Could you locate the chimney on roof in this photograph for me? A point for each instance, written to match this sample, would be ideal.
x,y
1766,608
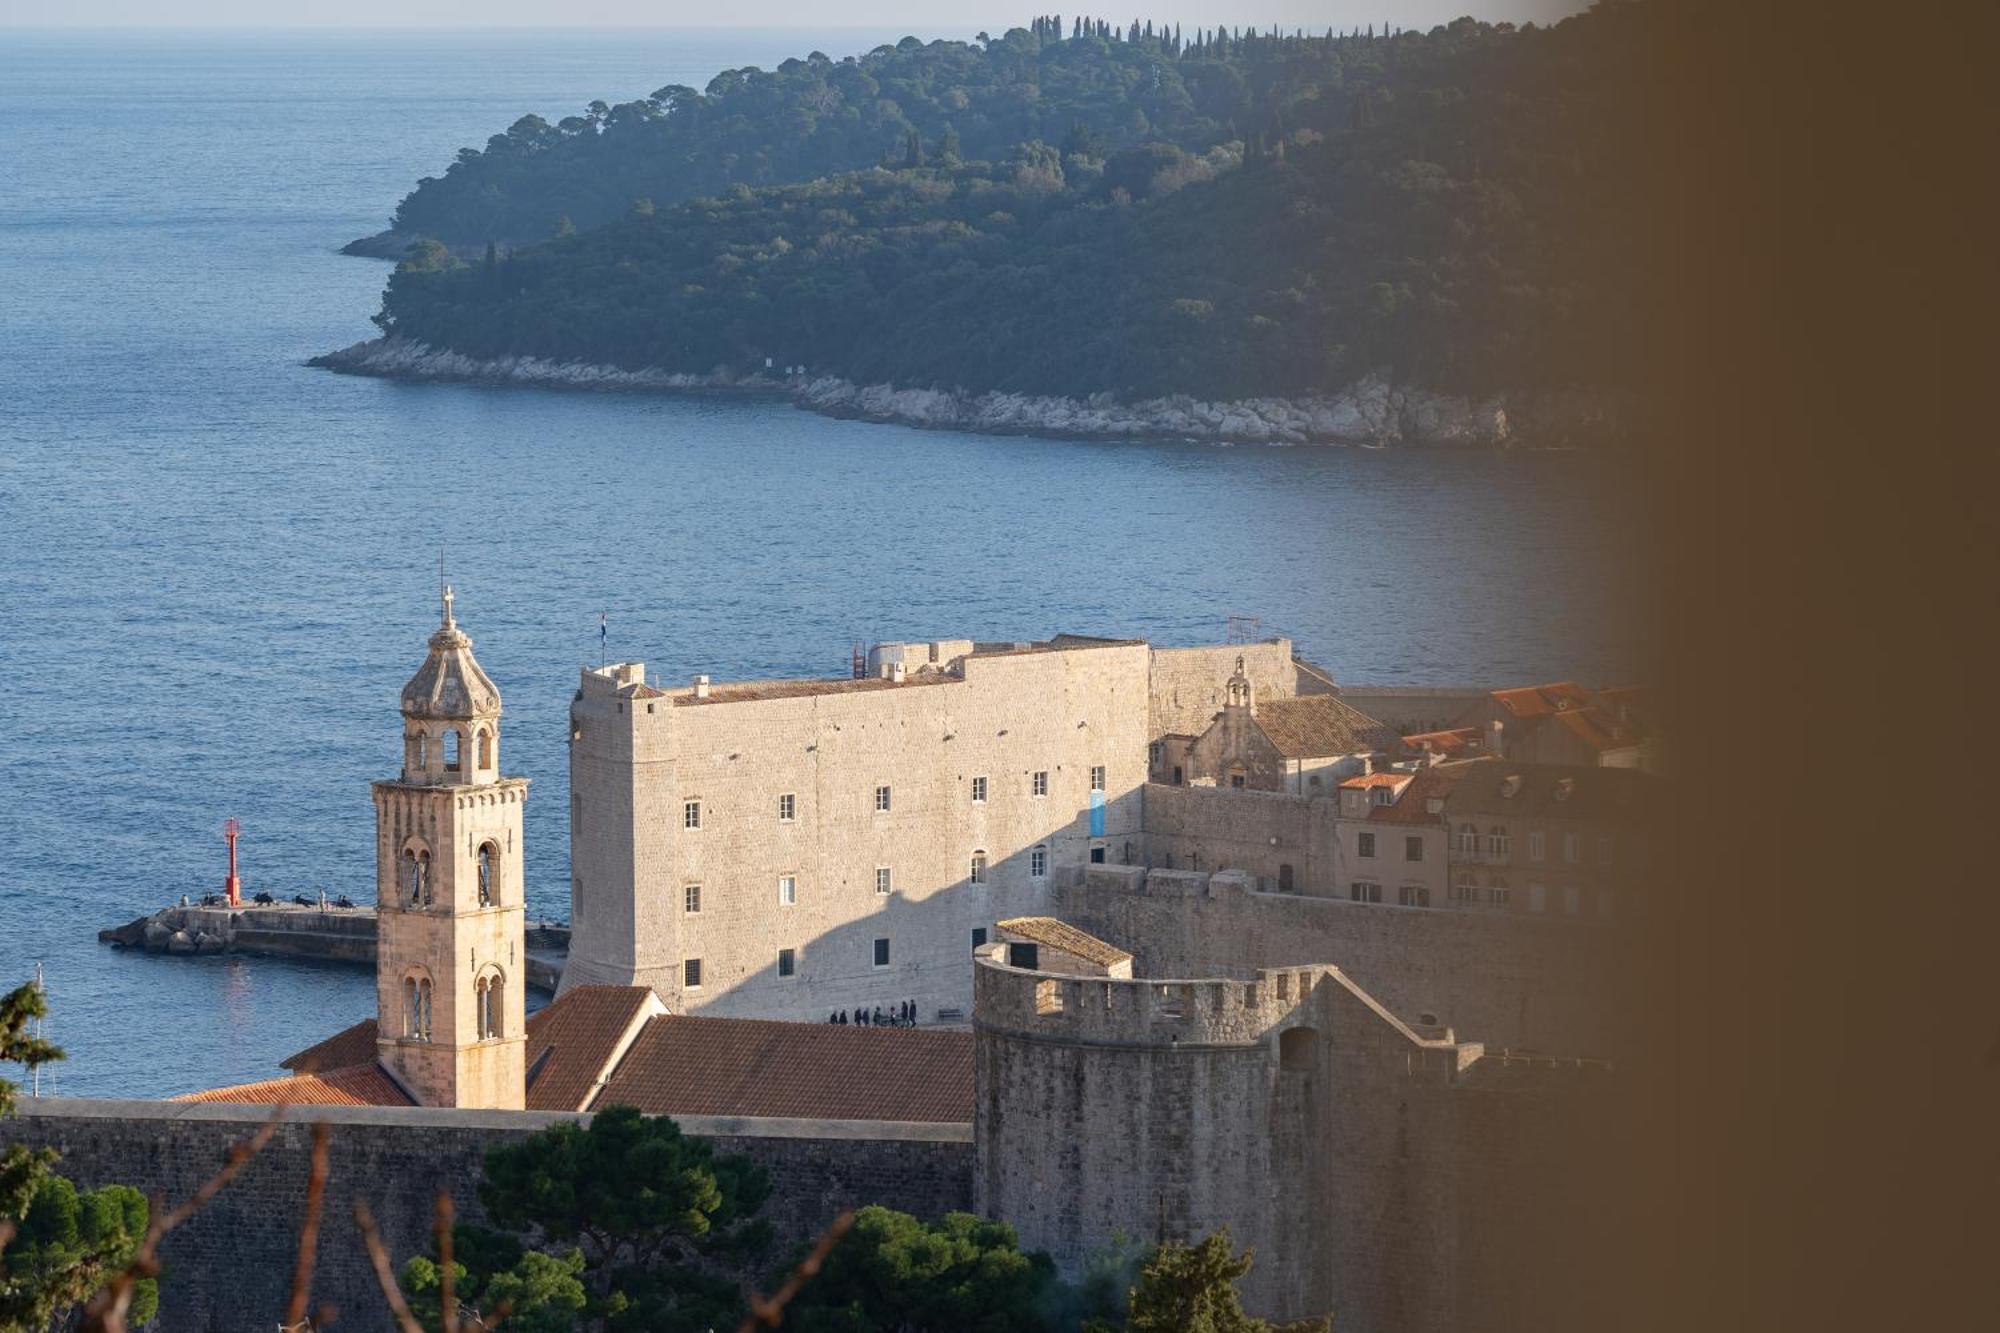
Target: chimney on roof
x,y
701,687
1496,736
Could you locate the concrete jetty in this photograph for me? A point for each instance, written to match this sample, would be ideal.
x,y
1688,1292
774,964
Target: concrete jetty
x,y
293,930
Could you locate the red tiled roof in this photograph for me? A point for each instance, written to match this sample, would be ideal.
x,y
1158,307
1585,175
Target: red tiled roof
x,y
1541,700
759,1067
1452,742
1319,726
361,1085
344,1049
1412,806
1597,728
571,1041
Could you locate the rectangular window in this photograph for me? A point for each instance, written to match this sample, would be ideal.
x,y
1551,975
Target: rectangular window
x,y
1039,784
1604,849
691,814
881,953
884,881
1538,898
1038,862
788,890
1413,847
1363,892
1153,753
1537,846
979,867
788,808
1572,899
1236,779
1385,796
1364,844
1413,895
787,962
979,791
691,974
691,899
978,936
1097,777
881,798
1464,891
1572,847
1496,895
1497,841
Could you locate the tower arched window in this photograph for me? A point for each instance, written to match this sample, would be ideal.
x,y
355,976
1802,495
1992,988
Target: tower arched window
x,y
490,1005
409,875
417,1007
489,874
451,749
485,748
417,877
1468,840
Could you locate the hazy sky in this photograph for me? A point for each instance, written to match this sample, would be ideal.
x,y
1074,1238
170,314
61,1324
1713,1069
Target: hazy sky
x,y
918,16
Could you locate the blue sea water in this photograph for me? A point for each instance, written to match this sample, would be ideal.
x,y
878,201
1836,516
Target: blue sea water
x,y
217,567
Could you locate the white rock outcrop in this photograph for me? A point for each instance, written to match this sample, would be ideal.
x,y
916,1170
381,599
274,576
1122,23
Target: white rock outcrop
x,y
1371,412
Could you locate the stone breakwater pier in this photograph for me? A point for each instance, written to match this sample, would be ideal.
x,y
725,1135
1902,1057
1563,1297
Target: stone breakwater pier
x,y
292,930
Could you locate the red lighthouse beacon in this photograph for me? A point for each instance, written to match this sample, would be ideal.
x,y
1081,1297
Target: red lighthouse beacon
x,y
231,887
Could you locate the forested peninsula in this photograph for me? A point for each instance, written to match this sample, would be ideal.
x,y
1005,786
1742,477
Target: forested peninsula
x,y
1077,227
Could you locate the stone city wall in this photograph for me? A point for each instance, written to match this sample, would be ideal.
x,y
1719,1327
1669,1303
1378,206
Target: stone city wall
x,y
1510,980
229,1268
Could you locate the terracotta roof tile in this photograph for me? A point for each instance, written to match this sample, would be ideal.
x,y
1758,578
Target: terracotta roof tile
x,y
1062,935
1541,700
361,1085
1316,726
1552,791
571,1041
345,1048
1453,742
1412,805
759,1067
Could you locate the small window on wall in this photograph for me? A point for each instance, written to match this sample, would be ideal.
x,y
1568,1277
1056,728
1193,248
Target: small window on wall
x,y
1097,853
1538,898
1236,779
1413,847
979,791
1497,895
451,750
691,814
884,880
882,953
786,962
1024,954
1463,890
1364,845
881,799
691,900
1413,895
1039,784
1097,777
788,890
788,807
979,867
1362,892
978,936
691,974
1038,862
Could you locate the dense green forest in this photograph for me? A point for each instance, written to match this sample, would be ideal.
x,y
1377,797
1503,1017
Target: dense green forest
x,y
1448,208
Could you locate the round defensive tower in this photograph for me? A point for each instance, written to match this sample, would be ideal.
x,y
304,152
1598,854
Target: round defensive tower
x,y
1157,1109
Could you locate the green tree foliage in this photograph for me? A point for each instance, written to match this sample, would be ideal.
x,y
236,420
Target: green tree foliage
x,y
817,116
661,1222
66,1243
1453,210
892,1271
543,1293
1192,1289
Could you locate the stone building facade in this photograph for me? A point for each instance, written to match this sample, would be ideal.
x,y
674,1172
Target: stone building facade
x,y
788,849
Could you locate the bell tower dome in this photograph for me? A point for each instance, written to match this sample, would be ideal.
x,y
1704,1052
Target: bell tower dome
x,y
451,712
450,894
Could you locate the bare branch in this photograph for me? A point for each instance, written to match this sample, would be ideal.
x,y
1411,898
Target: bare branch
x,y
302,1268
384,1275
106,1311
770,1310
447,1283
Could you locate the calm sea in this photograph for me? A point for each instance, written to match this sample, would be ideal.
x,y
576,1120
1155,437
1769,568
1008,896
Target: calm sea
x,y
217,567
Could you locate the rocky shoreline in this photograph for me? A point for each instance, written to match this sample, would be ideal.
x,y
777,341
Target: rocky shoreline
x,y
1372,413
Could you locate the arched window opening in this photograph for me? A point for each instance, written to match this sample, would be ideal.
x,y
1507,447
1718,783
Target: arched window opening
x,y
410,876
417,1008
423,751
490,1003
1468,840
489,874
1496,840
485,748
418,864
1298,1048
451,750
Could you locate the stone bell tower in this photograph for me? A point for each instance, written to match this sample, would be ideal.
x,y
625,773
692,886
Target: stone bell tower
x,y
450,957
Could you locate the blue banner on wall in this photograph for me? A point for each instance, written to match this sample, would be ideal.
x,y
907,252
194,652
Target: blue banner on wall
x,y
1097,814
